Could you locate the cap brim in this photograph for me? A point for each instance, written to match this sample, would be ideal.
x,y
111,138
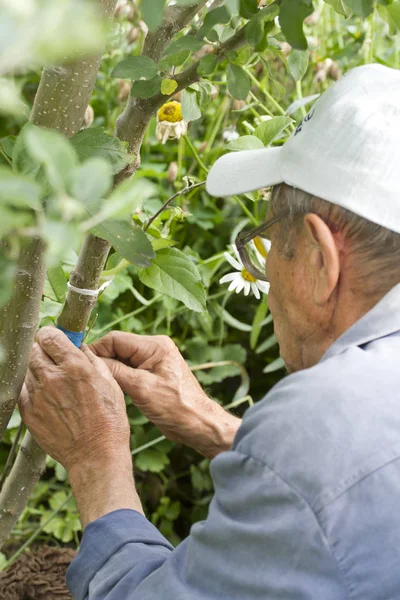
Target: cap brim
x,y
245,171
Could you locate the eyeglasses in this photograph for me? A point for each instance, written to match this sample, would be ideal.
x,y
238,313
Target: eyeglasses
x,y
247,254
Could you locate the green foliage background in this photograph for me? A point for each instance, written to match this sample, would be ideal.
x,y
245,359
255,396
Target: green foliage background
x,y
266,77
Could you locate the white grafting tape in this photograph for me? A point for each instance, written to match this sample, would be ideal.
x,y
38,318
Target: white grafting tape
x,y
84,292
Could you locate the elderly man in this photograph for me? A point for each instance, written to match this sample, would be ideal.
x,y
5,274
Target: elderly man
x,y
307,487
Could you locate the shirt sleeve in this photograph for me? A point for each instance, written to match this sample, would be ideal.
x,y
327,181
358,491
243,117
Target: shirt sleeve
x,y
261,541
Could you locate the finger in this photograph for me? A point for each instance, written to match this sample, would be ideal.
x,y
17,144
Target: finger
x,y
131,347
99,364
136,383
23,400
39,361
57,346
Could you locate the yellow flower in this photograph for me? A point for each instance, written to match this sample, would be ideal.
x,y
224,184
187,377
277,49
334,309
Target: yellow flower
x,y
170,122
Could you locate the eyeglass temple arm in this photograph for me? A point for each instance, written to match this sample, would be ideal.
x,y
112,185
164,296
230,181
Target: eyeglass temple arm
x,y
245,236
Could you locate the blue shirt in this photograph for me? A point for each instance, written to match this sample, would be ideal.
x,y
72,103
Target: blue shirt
x,y
306,504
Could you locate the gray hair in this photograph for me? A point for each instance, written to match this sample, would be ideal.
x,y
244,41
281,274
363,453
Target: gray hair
x,y
376,250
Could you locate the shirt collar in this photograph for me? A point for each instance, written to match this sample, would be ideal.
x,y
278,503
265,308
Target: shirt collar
x,y
383,319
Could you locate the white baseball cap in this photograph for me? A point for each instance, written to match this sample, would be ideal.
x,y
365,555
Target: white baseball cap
x,y
346,150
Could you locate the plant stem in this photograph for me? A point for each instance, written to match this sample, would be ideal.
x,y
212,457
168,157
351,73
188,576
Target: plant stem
x,y
195,154
299,92
246,210
36,533
11,455
188,188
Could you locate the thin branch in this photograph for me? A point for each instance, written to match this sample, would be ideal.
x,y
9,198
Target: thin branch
x,y
52,108
188,188
11,455
27,469
175,19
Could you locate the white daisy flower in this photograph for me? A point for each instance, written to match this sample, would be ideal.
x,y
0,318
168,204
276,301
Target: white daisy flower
x,y
170,122
230,134
241,279
261,247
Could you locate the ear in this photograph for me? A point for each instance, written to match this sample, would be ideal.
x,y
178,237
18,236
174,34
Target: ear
x,y
324,258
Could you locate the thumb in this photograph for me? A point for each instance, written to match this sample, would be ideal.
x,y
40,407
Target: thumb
x,y
136,383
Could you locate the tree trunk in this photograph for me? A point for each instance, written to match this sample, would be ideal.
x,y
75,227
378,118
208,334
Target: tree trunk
x,y
55,107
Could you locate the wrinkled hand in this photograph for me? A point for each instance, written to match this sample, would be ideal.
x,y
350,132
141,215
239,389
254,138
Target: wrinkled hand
x,y
72,405
152,371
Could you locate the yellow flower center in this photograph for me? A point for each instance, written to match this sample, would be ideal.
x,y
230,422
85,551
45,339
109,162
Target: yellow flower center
x,y
247,276
171,112
260,247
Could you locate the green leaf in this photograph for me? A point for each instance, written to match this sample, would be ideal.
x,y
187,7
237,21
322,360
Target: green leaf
x,y
128,240
94,141
7,272
168,86
19,191
218,15
151,460
50,308
362,8
22,160
11,102
274,366
184,43
238,82
174,274
259,317
135,67
160,243
270,342
385,16
233,6
339,6
152,12
207,64
190,107
54,152
58,282
394,12
173,60
301,102
268,130
91,182
146,88
248,8
246,142
298,63
126,198
291,16
254,31
232,321
60,237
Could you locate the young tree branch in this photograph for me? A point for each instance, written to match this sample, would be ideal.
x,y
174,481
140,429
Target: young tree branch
x,y
54,107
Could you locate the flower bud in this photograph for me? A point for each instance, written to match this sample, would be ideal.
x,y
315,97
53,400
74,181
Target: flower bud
x,y
124,90
133,35
172,172
88,117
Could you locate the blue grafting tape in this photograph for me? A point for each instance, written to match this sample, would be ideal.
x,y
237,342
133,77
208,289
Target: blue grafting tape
x,y
76,337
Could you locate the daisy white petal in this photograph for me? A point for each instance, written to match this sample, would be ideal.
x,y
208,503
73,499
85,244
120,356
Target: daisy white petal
x,y
263,286
233,285
235,250
232,261
255,290
247,288
228,277
240,286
